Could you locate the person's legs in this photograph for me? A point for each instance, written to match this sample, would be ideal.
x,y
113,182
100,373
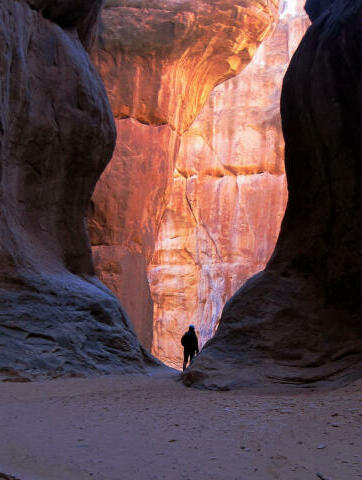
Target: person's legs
x,y
186,357
192,354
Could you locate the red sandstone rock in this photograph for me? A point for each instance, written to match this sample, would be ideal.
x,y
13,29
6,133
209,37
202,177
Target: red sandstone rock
x,y
159,63
222,222
298,321
126,211
56,136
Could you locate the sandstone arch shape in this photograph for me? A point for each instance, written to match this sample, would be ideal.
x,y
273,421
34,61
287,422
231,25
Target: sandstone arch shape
x,y
159,60
297,322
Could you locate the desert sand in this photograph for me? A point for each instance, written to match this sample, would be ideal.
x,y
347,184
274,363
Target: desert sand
x,y
153,428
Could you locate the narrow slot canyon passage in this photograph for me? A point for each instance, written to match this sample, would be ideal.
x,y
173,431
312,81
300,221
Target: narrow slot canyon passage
x,y
229,195
158,178
212,219
191,204
186,202
162,118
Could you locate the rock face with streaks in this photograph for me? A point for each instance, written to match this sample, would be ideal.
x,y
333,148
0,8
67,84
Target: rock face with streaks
x,y
229,195
298,320
56,136
159,61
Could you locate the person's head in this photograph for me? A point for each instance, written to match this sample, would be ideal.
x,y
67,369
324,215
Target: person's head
x,y
191,328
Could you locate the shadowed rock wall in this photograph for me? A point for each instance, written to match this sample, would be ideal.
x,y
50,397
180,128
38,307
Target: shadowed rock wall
x,y
159,61
229,195
298,320
56,136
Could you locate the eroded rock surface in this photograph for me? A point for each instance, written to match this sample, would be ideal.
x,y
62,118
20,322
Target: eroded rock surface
x,y
229,195
127,206
56,136
298,321
159,61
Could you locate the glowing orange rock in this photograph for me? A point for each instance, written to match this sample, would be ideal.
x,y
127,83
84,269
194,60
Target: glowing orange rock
x,y
229,196
159,63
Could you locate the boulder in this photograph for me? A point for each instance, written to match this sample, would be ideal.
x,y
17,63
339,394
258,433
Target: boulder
x,y
298,321
57,135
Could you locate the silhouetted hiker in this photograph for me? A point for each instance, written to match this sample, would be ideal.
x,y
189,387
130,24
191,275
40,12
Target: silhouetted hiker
x,y
191,345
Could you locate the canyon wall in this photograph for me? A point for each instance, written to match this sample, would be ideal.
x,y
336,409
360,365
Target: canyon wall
x,y
56,136
229,195
298,321
159,61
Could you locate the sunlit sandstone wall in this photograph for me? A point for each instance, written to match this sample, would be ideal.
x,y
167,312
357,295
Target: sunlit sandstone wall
x,y
159,60
229,195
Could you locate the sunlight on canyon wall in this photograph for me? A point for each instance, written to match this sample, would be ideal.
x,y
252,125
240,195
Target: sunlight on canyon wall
x,y
229,196
159,61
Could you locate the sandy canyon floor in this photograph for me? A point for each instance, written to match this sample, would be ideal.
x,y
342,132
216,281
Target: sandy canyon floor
x,y
154,428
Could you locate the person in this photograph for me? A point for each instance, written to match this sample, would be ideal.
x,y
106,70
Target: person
x,y
191,345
